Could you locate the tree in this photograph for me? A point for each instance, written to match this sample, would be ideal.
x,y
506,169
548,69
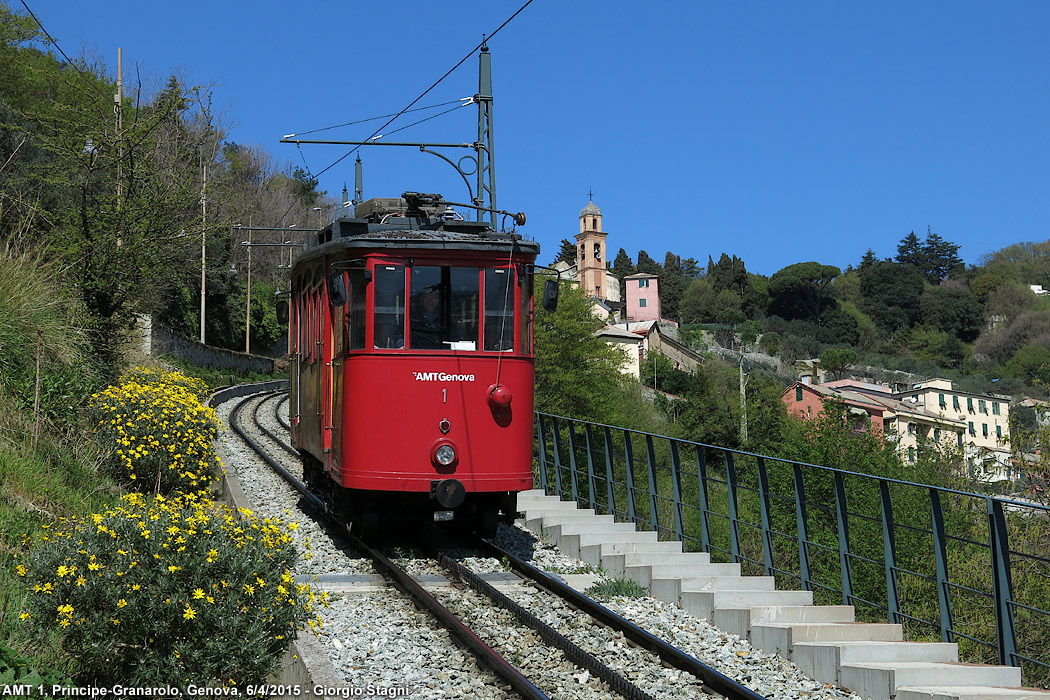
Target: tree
x,y
952,310
801,290
672,286
621,267
698,302
891,294
647,265
837,360
577,373
936,259
567,252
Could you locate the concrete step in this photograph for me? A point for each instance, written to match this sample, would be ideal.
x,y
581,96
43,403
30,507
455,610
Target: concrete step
x,y
593,553
616,564
537,522
821,661
670,589
704,603
739,620
570,544
879,681
556,531
542,510
535,495
644,574
781,637
955,692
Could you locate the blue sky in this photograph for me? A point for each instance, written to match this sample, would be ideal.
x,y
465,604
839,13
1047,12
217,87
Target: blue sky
x,y
777,132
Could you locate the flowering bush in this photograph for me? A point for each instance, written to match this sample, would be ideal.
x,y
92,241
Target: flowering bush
x,y
154,432
168,591
153,375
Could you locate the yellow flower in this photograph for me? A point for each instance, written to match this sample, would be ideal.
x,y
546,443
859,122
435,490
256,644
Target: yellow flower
x,y
122,603
22,570
249,589
198,593
189,613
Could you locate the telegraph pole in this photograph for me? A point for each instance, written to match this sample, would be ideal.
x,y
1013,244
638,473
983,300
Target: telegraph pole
x,y
743,401
248,313
204,240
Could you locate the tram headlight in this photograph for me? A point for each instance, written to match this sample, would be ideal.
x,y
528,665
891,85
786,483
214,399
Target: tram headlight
x,y
444,453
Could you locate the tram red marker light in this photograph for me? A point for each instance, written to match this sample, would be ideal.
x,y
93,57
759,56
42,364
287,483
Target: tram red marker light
x,y
499,396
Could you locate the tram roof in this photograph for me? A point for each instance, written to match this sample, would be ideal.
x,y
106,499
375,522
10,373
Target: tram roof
x,y
415,232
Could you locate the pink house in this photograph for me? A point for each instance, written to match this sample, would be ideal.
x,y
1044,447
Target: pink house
x,y
643,297
807,402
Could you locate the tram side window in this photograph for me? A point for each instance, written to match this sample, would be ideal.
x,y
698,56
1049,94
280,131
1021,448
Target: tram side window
x,y
357,310
389,328
340,326
526,312
499,309
444,308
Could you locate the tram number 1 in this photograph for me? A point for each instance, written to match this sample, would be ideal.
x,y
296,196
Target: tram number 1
x,y
444,398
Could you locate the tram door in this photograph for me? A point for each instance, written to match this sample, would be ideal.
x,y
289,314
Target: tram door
x,y
338,341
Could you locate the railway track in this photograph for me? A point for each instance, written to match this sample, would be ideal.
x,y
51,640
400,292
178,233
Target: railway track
x,y
578,648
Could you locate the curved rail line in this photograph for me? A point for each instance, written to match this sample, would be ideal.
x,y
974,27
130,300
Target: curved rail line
x,y
712,679
464,635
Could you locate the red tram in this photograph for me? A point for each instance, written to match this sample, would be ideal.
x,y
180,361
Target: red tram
x,y
412,371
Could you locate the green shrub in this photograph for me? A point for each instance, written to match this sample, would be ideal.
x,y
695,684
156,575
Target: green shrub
x,y
167,591
156,435
615,587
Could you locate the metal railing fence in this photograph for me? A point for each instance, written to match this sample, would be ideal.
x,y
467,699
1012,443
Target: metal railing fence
x,y
946,564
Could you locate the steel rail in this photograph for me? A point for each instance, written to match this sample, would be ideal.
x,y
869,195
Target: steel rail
x,y
711,678
280,416
284,445
548,634
460,632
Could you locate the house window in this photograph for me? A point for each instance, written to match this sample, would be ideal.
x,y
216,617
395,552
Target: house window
x,y
911,454
798,393
941,401
594,223
969,404
984,429
643,283
911,428
955,403
937,434
995,408
973,431
641,302
982,406
959,436
999,432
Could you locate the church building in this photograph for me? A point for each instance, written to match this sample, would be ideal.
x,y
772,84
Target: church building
x,y
591,271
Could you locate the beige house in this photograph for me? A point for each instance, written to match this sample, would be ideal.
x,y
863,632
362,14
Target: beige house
x,y
979,424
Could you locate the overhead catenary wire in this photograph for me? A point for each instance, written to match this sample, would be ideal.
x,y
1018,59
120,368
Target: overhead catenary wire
x,y
425,92
372,119
408,106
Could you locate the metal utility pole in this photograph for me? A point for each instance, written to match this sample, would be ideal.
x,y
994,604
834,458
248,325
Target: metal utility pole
x,y
743,401
486,142
248,312
359,182
204,241
118,109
